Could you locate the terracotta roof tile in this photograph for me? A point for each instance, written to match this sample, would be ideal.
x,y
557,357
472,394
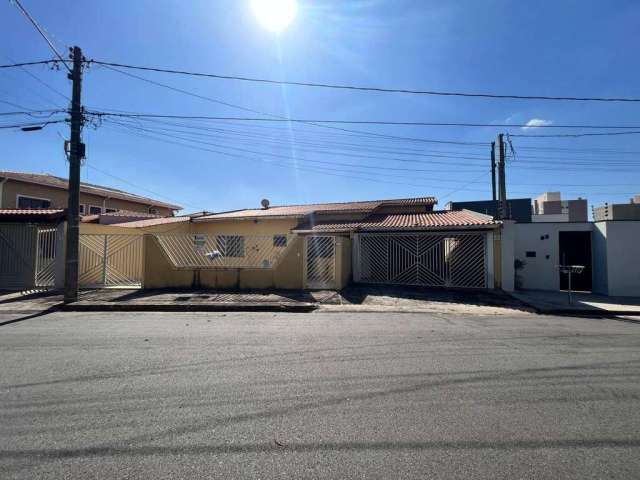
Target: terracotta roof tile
x,y
151,222
405,221
32,214
315,208
59,182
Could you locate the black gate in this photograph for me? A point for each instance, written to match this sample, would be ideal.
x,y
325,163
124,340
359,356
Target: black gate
x,y
575,249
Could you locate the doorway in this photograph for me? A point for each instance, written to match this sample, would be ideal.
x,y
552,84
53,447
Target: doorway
x,y
575,249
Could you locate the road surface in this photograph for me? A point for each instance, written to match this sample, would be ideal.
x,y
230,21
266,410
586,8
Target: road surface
x,y
331,395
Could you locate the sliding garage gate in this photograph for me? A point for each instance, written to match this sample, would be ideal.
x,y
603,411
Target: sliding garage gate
x,y
423,259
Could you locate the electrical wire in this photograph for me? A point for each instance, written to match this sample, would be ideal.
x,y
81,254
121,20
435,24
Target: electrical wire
x,y
41,32
27,64
360,122
366,88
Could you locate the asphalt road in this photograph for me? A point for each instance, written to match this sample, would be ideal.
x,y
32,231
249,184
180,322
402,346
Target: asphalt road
x,y
290,396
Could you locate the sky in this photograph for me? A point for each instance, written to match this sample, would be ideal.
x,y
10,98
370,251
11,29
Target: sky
x,y
567,48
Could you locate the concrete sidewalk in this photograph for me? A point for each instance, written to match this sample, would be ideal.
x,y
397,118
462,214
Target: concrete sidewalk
x,y
118,299
583,303
351,299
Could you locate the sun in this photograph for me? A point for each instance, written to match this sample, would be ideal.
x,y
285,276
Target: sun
x,y
275,15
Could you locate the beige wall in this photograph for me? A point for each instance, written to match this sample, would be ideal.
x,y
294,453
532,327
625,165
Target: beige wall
x,y
160,273
58,198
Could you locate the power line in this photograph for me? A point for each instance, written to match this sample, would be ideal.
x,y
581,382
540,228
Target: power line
x,y
26,64
42,33
360,122
39,124
280,117
577,135
365,88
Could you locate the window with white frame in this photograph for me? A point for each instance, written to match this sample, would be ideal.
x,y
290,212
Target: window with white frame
x,y
93,210
82,209
24,201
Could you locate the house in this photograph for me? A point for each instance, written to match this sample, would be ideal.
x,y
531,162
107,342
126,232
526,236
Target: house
x,y
518,209
19,190
618,211
326,245
549,207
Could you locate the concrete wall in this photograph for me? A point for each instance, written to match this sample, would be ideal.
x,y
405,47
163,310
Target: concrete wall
x,y
59,198
600,257
540,272
623,257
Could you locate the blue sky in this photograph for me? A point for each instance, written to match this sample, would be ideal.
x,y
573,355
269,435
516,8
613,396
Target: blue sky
x,y
574,48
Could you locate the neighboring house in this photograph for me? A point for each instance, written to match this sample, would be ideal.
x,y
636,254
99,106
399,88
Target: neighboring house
x,y
549,207
518,209
42,191
618,211
397,241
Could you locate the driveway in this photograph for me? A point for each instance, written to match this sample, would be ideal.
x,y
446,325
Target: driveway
x,y
321,395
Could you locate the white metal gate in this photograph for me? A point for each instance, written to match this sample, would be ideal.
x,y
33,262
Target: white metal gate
x,y
110,260
46,256
17,256
424,259
320,262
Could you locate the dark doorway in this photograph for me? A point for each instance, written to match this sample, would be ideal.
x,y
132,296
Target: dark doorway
x,y
575,249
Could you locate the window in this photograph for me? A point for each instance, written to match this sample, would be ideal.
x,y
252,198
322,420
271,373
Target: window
x,y
93,210
279,240
111,210
81,207
531,254
230,245
32,202
153,211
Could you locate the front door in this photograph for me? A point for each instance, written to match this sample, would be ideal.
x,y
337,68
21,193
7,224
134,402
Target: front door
x,y
575,249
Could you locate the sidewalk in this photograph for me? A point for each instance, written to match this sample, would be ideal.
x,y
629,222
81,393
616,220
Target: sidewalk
x,y
352,299
582,303
118,299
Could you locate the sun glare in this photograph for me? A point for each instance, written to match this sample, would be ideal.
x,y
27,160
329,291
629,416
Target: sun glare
x,y
274,15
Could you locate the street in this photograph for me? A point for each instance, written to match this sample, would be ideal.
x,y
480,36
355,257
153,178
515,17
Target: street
x,y
319,395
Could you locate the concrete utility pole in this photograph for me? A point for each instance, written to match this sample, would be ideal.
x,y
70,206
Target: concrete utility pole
x,y
493,170
76,153
501,177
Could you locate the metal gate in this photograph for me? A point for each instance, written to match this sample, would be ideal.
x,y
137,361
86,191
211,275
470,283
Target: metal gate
x,y
46,256
110,260
424,259
17,256
320,262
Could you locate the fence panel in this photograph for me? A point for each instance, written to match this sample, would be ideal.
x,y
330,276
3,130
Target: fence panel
x,y
200,251
46,256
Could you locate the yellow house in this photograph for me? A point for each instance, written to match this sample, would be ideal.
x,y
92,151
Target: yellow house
x,y
20,190
318,246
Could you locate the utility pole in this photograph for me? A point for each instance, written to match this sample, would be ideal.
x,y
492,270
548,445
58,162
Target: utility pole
x,y
493,170
501,177
76,152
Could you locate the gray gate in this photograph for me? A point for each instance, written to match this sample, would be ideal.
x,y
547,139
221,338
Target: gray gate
x,y
423,259
17,256
320,262
110,260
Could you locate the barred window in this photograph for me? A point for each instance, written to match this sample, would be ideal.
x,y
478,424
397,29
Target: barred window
x,y
279,240
230,245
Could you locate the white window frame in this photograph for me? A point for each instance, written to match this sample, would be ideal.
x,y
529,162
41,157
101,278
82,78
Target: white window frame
x,y
153,211
94,206
111,210
82,208
19,196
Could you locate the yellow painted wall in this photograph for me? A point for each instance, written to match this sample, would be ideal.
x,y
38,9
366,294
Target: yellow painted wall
x,y
160,273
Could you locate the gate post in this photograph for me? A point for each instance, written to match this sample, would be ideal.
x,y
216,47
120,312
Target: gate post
x,y
59,266
105,252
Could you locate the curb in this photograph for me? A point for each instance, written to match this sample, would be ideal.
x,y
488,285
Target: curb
x,y
220,307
